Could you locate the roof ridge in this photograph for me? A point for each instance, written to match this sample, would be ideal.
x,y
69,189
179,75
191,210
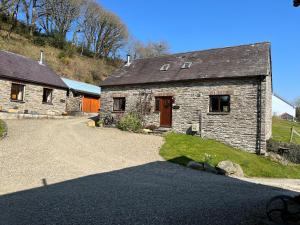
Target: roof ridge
x,y
203,50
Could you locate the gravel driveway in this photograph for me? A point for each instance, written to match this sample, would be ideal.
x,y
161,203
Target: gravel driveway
x,y
63,172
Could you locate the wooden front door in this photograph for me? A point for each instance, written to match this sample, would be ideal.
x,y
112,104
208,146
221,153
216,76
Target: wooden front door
x,y
165,111
90,105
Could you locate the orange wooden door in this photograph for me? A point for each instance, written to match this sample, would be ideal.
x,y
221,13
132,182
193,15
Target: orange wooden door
x,y
166,111
90,105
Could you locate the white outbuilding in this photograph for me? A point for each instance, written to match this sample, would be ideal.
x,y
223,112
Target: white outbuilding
x,y
281,106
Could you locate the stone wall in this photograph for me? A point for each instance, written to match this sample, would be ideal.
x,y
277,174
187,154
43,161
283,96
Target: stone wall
x,y
74,103
237,128
32,100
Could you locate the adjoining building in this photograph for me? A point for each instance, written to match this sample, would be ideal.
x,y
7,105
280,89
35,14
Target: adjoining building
x,y
82,97
30,87
283,108
223,94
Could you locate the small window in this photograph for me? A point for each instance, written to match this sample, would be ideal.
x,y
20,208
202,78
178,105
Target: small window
x,y
157,104
165,67
119,104
17,92
186,65
47,95
219,103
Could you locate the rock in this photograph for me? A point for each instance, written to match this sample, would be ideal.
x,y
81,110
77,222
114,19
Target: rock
x,y
12,110
91,123
277,158
231,168
195,165
147,131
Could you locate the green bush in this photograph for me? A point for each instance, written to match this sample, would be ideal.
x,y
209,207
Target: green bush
x,y
130,122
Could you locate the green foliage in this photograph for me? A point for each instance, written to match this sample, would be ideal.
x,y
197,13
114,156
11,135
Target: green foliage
x,y
293,150
130,122
281,130
40,41
2,128
179,147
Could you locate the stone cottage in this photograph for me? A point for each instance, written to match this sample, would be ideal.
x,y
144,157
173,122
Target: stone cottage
x,y
30,87
223,94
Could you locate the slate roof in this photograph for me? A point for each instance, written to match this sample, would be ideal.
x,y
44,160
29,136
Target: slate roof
x,y
21,68
82,87
229,62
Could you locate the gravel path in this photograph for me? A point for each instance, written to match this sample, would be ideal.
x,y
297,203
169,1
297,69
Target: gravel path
x,y
63,172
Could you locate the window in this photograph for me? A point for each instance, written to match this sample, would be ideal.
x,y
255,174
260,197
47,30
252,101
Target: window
x,y
17,92
47,95
157,104
219,103
119,104
186,65
165,67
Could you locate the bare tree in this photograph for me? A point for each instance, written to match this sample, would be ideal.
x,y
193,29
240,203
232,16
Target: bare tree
x,y
90,22
111,35
58,15
139,50
104,32
5,5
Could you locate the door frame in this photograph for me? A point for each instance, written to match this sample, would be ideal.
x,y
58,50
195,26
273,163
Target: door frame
x,y
171,111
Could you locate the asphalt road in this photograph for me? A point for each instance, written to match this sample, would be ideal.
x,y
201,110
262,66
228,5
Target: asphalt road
x,y
62,172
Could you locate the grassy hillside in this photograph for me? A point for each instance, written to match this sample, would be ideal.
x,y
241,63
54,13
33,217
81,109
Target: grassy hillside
x,y
77,67
282,130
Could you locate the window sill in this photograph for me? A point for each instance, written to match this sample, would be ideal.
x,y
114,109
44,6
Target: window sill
x,y
17,101
47,103
218,113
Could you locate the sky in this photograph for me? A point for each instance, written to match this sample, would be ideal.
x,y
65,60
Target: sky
x,y
192,25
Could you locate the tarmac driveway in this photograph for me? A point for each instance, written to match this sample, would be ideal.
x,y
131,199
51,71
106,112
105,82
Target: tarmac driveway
x,y
63,172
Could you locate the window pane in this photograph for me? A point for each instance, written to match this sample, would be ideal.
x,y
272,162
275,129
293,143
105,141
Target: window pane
x,y
214,104
220,103
17,92
47,95
224,103
119,104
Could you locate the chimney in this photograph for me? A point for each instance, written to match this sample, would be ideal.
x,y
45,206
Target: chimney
x,y
128,60
41,58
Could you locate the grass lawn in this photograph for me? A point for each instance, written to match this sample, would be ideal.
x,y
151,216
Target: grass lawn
x,y
1,127
179,148
282,130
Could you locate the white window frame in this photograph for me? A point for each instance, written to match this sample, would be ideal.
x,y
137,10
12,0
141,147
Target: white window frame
x,y
165,67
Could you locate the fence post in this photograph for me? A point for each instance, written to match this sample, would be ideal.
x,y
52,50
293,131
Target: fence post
x,y
292,133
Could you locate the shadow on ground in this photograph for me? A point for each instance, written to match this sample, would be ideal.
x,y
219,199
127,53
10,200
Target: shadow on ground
x,y
154,193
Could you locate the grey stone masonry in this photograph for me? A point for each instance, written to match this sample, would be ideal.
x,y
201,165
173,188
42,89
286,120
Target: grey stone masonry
x,y
74,103
238,128
33,99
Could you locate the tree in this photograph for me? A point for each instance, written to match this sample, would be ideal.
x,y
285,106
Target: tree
x,y
104,32
296,3
139,50
58,16
6,5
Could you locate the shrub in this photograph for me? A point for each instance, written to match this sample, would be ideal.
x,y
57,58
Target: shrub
x,y
288,151
130,122
40,41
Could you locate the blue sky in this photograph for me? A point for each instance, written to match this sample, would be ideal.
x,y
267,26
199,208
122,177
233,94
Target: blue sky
x,y
202,24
